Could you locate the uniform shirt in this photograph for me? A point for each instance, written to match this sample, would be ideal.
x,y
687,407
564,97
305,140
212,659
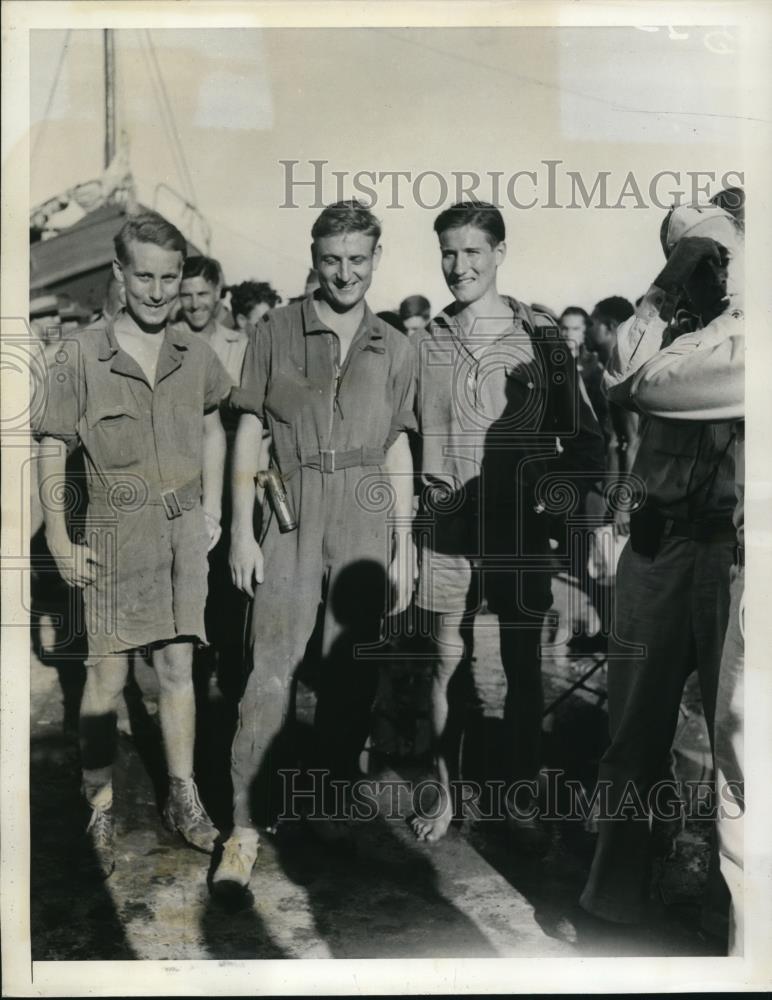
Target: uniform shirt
x,y
701,377
491,408
686,465
294,382
130,431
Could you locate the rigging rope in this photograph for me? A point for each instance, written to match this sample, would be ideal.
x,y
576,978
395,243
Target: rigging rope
x,y
172,126
143,45
51,93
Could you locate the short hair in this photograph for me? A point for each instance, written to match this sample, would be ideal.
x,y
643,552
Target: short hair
x,y
148,227
575,311
203,267
415,305
616,308
480,214
248,294
350,216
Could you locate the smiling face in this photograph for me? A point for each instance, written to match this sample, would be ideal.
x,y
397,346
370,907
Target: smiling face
x,y
198,299
469,262
345,264
151,282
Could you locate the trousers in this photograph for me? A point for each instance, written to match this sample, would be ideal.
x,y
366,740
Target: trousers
x,y
671,617
325,582
729,761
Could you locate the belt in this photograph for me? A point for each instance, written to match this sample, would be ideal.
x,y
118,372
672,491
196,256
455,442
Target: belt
x,y
133,493
705,531
330,460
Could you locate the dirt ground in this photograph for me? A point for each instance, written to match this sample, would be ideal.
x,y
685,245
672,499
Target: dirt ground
x,y
471,895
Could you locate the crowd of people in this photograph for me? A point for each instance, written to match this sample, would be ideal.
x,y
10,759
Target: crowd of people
x,y
326,468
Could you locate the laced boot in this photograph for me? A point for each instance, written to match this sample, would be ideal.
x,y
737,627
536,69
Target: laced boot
x,y
238,858
101,831
185,814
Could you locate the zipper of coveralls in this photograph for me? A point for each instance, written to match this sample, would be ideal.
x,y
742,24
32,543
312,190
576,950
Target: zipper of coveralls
x,y
335,358
339,373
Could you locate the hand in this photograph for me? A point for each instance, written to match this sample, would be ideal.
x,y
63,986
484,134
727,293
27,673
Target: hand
x,y
622,522
214,529
246,563
403,572
686,255
77,564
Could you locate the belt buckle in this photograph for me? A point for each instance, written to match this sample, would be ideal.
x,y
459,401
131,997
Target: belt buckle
x,y
327,460
171,504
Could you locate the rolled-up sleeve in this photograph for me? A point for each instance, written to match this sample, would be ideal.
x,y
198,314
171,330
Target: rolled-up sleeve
x,y
701,376
403,394
637,339
64,394
218,381
249,396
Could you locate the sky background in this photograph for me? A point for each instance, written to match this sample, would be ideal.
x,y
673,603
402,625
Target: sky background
x,y
598,99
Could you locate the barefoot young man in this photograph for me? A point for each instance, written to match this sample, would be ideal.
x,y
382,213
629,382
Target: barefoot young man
x,y
496,387
335,386
142,402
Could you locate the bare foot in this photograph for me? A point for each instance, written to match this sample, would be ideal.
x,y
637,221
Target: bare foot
x,y
434,828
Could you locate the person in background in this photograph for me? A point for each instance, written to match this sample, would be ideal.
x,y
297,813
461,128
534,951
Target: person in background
x,y
414,312
250,301
574,323
605,319
199,296
672,589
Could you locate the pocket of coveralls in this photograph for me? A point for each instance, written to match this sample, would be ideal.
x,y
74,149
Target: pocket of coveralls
x,y
116,436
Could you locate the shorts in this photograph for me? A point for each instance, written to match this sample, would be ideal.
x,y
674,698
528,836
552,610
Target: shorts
x,y
151,582
459,570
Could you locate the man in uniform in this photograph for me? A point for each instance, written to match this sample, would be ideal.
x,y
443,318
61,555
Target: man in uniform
x,y
497,387
142,401
672,592
335,387
701,377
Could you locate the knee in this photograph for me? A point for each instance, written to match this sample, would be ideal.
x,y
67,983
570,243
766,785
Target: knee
x,y
443,670
271,688
174,673
107,679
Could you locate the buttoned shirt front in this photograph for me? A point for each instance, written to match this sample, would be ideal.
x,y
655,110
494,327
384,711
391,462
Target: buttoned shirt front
x,y
294,381
99,395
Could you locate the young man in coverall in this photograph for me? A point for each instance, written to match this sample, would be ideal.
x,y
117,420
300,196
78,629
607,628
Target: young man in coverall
x,y
142,401
335,387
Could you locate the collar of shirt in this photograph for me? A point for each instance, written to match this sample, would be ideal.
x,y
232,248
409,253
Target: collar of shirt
x,y
519,314
169,359
370,325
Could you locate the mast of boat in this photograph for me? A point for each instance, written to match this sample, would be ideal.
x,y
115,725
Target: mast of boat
x,y
109,61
